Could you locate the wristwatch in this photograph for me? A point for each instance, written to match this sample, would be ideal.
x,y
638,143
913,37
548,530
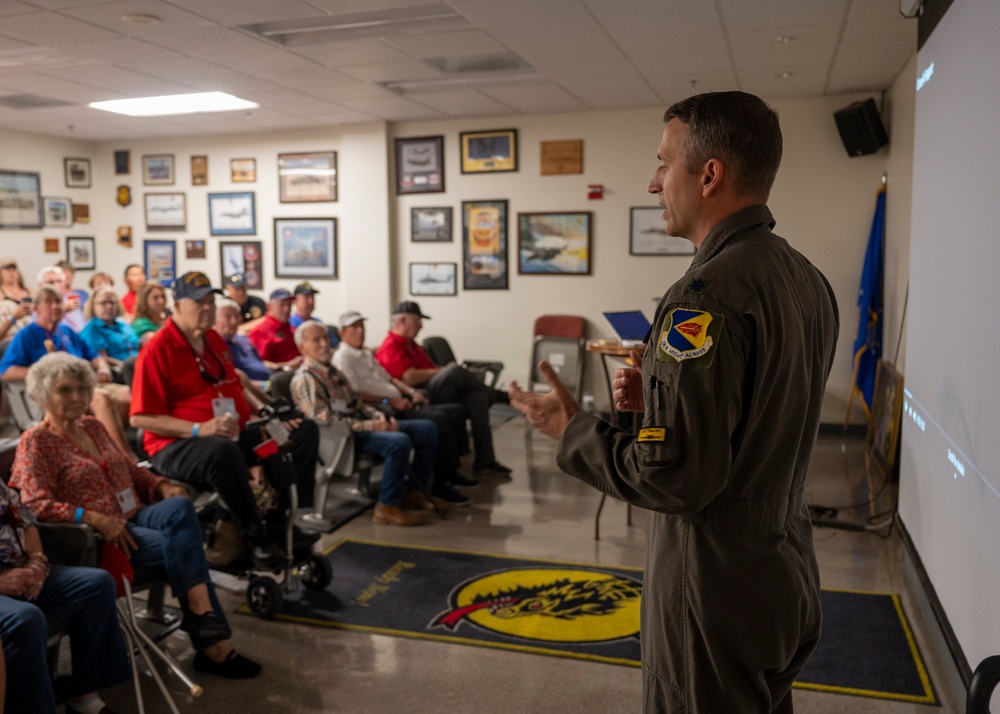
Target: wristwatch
x,y
385,400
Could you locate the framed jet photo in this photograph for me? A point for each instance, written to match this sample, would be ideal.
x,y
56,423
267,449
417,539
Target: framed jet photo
x,y
433,279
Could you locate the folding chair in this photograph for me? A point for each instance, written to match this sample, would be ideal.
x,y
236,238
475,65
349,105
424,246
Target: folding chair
x,y
561,341
22,407
440,351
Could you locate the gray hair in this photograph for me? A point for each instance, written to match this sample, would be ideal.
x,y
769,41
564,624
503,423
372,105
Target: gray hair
x,y
53,367
51,269
227,304
300,331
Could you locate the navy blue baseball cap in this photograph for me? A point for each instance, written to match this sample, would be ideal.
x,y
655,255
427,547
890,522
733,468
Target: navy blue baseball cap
x,y
280,294
237,280
194,286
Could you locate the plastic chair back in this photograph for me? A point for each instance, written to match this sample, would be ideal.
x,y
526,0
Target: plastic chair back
x,y
22,407
438,349
560,341
984,681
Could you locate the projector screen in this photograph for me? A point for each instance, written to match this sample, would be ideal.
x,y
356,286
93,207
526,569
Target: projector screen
x,y
950,452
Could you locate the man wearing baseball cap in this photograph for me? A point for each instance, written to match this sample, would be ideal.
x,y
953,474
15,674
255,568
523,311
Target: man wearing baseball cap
x,y
377,387
188,399
273,336
405,360
251,306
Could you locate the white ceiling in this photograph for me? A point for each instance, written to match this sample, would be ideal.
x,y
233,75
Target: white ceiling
x,y
586,54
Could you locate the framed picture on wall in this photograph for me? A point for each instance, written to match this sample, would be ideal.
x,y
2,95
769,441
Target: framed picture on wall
x,y
80,253
488,151
232,214
646,236
433,279
58,212
22,204
420,165
484,245
305,247
553,243
243,170
165,211
307,177
123,162
244,257
160,258
199,170
158,170
77,173
194,249
431,225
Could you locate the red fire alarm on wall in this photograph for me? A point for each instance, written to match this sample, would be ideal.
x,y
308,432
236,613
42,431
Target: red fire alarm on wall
x,y
595,191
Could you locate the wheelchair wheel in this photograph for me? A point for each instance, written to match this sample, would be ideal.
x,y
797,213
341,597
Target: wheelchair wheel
x,y
264,597
316,573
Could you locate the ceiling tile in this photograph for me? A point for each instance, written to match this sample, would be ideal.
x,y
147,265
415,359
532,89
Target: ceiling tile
x,y
50,30
878,31
309,79
392,71
868,67
740,16
493,14
806,81
536,99
460,103
12,7
110,15
809,44
618,8
120,80
350,7
123,51
266,60
208,42
352,52
447,44
232,13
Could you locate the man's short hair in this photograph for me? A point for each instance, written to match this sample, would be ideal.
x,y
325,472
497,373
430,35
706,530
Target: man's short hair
x,y
130,266
736,128
301,330
227,304
51,269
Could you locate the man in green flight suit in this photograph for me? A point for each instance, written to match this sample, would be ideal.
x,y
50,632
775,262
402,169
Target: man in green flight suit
x,y
730,388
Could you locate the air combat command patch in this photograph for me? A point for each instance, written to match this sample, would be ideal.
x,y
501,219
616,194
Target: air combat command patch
x,y
689,335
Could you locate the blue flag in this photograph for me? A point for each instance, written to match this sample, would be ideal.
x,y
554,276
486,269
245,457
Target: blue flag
x,y
868,345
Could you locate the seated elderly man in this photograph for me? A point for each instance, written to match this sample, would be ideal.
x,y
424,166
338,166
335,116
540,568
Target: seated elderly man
x,y
67,471
189,399
322,393
55,277
273,336
81,599
46,334
228,316
376,387
405,360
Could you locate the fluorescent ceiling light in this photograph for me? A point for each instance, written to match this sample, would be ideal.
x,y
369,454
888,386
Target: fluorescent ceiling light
x,y
480,81
200,103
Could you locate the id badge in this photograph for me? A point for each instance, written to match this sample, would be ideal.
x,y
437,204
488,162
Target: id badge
x,y
277,431
126,500
222,406
340,406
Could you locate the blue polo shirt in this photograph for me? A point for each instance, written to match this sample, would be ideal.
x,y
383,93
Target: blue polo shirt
x,y
28,346
247,359
117,339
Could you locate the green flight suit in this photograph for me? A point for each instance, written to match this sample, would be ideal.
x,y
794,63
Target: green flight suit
x,y
733,381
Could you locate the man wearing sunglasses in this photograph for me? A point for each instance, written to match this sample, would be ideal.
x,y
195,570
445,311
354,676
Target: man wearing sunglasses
x,y
188,398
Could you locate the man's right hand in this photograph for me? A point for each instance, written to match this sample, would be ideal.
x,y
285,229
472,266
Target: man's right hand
x,y
400,404
224,425
628,386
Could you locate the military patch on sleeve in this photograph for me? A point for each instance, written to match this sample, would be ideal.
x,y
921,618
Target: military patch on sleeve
x,y
689,335
653,433
697,286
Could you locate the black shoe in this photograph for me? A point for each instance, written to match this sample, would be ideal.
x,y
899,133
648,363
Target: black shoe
x,y
268,556
235,666
450,496
495,468
458,479
206,626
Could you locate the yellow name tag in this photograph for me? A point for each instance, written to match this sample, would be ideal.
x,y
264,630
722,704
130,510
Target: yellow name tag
x,y
653,434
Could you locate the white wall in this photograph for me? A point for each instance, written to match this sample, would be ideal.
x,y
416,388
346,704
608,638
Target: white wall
x,y
823,201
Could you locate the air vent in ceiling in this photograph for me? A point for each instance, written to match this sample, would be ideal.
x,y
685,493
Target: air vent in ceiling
x,y
30,101
475,64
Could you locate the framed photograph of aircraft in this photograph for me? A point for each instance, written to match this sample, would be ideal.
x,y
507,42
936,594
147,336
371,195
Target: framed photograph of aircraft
x,y
232,214
554,243
646,235
420,165
307,177
433,278
305,248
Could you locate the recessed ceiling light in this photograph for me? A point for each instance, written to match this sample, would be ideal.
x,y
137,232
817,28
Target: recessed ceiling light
x,y
200,103
784,75
141,19
783,39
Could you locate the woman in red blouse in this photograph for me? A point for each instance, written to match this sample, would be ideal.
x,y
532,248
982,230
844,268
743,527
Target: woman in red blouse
x,y
68,469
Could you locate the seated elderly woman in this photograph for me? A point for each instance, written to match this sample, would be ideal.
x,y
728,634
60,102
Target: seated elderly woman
x,y
150,311
68,470
106,333
323,395
81,599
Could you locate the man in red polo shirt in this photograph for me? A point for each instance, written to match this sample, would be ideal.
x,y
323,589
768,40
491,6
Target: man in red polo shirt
x,y
274,337
188,399
404,359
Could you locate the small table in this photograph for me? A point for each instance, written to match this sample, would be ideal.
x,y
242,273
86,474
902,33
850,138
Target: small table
x,y
614,350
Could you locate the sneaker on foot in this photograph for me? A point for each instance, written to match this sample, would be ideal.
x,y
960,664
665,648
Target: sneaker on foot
x,y
449,495
458,479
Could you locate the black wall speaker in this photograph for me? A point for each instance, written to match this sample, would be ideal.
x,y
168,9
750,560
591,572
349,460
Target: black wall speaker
x,y
861,128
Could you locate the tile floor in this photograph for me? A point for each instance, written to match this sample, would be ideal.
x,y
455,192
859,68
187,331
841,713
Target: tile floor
x,y
544,514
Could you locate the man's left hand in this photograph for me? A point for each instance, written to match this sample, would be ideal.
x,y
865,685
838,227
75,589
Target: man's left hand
x,y
550,412
292,424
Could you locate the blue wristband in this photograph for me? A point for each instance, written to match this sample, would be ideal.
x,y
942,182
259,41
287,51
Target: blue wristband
x,y
78,518
194,430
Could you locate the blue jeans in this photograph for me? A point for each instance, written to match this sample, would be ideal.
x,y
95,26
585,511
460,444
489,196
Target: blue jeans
x,y
83,601
394,448
169,536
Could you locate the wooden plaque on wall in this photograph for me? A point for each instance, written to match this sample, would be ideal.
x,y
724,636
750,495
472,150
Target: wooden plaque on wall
x,y
562,157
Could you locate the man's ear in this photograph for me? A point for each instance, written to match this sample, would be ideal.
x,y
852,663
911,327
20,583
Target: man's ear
x,y
711,177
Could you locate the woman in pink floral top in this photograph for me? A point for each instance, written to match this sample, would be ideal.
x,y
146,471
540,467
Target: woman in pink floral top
x,y
68,469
